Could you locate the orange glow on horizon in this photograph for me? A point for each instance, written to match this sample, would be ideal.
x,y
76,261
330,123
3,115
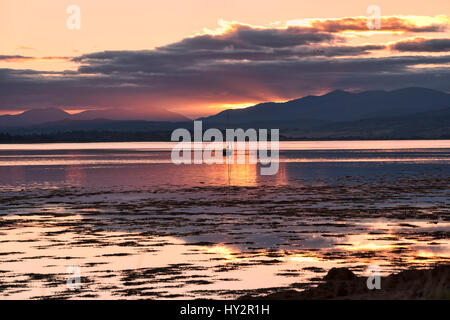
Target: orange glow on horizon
x,y
232,106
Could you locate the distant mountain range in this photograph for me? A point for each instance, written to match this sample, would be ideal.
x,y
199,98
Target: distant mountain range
x,y
340,106
410,113
403,113
50,115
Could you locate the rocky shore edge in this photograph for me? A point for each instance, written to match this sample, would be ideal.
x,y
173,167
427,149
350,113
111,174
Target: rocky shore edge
x,y
342,283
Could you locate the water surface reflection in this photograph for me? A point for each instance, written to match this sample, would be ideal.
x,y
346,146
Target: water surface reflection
x,y
142,227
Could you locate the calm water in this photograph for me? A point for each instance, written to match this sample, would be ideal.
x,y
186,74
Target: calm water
x,y
139,226
148,164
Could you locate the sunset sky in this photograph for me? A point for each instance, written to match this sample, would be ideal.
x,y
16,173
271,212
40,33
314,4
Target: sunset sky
x,y
197,57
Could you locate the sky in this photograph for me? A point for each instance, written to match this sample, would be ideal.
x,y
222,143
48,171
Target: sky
x,y
198,57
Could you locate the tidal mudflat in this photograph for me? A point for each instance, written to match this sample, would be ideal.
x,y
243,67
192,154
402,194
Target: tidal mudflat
x,y
138,226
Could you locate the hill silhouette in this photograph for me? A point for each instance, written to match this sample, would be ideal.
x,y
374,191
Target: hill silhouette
x,y
410,113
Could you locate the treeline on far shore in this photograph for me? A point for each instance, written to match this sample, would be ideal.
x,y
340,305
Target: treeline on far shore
x,y
85,136
142,136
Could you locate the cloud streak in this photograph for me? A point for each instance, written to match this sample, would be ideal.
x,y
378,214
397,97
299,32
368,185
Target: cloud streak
x,y
423,45
20,58
416,24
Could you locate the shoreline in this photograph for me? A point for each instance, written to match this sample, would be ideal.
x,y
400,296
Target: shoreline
x,y
287,139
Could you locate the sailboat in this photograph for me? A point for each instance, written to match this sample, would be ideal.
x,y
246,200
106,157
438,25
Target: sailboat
x,y
227,151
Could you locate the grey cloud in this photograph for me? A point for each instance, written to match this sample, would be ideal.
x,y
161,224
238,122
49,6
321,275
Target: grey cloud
x,y
423,45
245,37
14,57
219,81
